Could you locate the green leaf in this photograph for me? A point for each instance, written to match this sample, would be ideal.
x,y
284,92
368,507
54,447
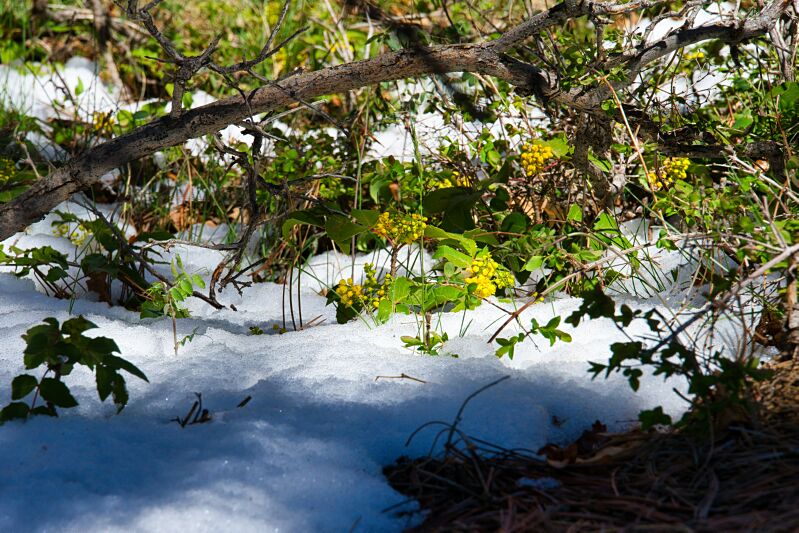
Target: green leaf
x,y
104,377
575,213
558,144
341,229
22,385
14,410
514,223
456,203
654,417
459,259
603,164
384,309
186,287
120,393
76,326
118,363
400,289
102,346
301,217
534,263
55,273
366,217
56,392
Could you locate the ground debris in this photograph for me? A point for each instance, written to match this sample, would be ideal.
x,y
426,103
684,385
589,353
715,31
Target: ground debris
x,y
744,479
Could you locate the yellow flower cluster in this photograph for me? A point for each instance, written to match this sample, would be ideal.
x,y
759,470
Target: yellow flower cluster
x,y
456,180
399,228
488,276
534,157
695,55
675,168
103,122
374,290
7,170
348,292
77,236
369,294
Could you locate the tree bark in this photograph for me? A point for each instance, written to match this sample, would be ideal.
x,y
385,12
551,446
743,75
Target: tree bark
x,y
39,9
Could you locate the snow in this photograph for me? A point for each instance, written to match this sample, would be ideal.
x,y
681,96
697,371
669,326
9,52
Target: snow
x,y
306,452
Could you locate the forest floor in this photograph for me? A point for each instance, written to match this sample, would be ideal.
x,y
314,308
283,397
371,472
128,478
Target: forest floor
x,y
740,477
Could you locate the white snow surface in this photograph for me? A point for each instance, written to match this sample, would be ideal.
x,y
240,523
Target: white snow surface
x,y
307,452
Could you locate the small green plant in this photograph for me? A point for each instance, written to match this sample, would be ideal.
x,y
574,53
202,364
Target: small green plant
x,y
549,331
59,348
164,299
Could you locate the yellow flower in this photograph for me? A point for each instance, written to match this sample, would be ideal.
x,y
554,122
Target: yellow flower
x,y
672,169
488,275
485,287
370,294
399,228
455,180
349,293
504,279
534,157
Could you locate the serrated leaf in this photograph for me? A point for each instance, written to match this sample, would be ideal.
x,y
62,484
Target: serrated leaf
x,y
76,326
104,377
14,410
341,229
123,364
119,393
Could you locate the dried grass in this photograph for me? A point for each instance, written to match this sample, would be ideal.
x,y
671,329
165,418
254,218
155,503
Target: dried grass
x,y
744,479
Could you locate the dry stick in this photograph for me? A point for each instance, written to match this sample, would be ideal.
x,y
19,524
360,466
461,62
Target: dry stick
x,y
401,376
459,415
721,303
123,242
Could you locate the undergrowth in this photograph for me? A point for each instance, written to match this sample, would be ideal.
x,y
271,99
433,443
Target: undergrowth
x,y
501,201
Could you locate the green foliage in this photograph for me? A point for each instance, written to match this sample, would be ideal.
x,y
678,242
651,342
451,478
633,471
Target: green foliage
x,y
506,213
58,348
167,299
716,383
